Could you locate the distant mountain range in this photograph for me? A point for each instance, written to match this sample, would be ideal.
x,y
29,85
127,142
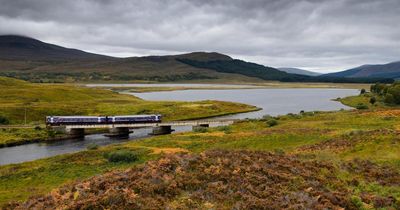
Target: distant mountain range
x,y
389,70
30,59
299,71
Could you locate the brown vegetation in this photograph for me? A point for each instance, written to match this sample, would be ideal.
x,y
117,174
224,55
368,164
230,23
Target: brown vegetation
x,y
217,179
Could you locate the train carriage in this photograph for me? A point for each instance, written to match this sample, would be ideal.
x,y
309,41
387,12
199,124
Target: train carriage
x,y
94,120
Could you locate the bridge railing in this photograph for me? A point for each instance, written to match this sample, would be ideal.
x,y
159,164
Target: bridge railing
x,y
139,125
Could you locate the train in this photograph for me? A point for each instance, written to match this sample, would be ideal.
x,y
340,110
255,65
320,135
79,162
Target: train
x,y
95,120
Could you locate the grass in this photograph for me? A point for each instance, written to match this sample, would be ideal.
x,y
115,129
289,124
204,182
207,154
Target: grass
x,y
335,137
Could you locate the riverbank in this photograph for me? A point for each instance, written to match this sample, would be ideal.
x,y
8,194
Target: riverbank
x,y
335,138
142,88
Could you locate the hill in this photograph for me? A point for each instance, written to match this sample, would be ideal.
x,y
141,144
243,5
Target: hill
x,y
299,71
20,47
30,59
389,70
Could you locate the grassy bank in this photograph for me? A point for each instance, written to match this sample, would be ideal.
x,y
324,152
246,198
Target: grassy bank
x,y
362,139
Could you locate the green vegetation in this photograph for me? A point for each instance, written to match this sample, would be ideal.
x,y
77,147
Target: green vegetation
x,y
4,121
345,139
389,93
121,156
92,146
19,135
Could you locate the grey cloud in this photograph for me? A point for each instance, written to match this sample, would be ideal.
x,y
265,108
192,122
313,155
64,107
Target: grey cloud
x,y
316,34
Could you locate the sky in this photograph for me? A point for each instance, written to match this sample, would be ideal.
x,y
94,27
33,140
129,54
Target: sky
x,y
318,35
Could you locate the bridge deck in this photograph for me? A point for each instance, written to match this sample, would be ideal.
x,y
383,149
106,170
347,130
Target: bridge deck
x,y
141,125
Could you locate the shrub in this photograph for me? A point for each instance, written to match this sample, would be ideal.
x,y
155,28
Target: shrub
x,y
357,202
272,122
361,106
38,128
200,129
225,129
279,152
92,146
121,156
372,100
267,117
4,120
362,91
51,133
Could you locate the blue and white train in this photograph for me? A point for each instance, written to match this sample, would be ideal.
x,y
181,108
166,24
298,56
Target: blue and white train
x,y
94,120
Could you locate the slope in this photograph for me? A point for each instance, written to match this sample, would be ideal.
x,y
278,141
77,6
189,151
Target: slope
x,y
389,70
299,71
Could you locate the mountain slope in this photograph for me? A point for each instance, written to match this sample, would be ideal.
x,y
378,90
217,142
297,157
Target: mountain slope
x,y
20,47
299,71
30,59
389,70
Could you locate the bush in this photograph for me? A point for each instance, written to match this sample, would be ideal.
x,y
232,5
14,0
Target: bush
x,y
362,91
51,133
225,129
267,117
121,156
372,100
272,122
38,128
200,129
361,106
92,146
4,120
279,152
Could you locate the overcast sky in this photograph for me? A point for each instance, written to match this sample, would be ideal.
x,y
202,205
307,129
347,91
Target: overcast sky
x,y
322,35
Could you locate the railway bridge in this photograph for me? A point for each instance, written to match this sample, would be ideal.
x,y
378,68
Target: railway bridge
x,y
158,128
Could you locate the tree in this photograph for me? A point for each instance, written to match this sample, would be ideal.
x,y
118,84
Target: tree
x,y
362,91
394,90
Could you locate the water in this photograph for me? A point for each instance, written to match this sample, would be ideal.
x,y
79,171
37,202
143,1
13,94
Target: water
x,y
272,101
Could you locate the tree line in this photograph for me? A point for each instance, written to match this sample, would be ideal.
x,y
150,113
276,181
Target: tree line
x,y
389,92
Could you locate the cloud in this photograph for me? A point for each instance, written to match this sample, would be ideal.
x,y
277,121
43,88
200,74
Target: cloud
x,y
323,35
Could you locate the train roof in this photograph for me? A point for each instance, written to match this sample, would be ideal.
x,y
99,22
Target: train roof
x,y
74,116
143,115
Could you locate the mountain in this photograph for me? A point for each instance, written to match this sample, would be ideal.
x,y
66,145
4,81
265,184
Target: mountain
x,y
20,47
299,71
389,70
30,59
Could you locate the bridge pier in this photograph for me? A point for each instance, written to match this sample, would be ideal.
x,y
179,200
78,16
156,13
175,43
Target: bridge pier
x,y
161,130
76,132
119,131
195,127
